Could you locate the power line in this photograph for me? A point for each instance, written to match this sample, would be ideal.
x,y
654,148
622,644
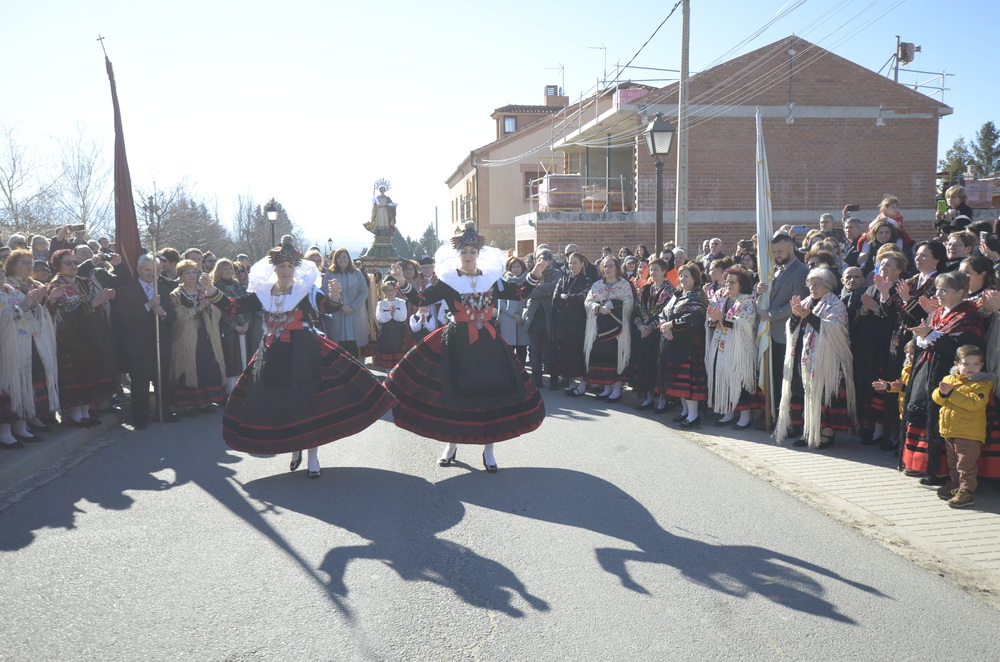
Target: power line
x,y
679,2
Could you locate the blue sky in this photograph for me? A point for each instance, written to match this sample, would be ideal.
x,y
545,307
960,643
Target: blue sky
x,y
311,102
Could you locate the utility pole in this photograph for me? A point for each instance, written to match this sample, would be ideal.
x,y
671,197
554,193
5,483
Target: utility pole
x,y
681,219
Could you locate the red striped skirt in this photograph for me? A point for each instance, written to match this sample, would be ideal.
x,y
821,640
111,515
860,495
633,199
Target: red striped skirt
x,y
308,392
388,360
989,458
196,397
434,402
834,416
915,452
683,380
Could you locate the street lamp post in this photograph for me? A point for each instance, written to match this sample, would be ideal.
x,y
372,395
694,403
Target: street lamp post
x,y
272,216
659,135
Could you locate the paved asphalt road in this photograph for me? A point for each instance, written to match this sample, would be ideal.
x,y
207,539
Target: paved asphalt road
x,y
605,536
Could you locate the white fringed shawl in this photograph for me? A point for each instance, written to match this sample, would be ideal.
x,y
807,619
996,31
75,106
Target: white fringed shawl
x,y
826,363
15,355
731,359
599,294
184,338
15,368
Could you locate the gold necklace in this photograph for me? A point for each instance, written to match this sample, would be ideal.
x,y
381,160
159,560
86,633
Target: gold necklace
x,y
279,294
472,278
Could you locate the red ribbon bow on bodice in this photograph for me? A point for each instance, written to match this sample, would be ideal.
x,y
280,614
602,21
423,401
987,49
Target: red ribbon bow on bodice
x,y
477,319
284,330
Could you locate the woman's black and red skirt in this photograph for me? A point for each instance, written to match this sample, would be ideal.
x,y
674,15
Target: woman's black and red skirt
x,y
301,394
468,393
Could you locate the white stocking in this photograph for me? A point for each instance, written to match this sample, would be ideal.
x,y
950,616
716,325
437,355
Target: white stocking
x,y
449,451
20,428
691,407
744,418
5,436
313,461
488,454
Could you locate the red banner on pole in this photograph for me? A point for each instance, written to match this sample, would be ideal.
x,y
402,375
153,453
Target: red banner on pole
x,y
127,242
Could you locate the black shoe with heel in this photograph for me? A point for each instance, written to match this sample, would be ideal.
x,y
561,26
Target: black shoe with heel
x,y
492,468
448,461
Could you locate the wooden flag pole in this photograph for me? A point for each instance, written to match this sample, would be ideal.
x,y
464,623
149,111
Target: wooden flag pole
x,y
159,364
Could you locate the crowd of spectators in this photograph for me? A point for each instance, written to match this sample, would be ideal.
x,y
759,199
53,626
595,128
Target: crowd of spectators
x,y
864,322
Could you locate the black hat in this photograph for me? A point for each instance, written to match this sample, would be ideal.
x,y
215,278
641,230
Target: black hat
x,y
426,260
40,264
468,237
285,252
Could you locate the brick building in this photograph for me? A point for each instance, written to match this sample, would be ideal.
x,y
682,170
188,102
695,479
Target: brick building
x,y
520,130
836,134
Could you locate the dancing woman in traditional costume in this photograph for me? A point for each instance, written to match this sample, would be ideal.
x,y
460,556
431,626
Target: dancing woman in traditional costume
x,y
462,384
300,390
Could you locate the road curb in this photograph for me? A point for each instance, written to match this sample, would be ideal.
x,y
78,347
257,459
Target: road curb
x,y
21,463
983,583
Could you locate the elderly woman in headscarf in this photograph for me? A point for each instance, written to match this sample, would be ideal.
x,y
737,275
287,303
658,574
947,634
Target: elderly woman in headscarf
x,y
818,389
300,390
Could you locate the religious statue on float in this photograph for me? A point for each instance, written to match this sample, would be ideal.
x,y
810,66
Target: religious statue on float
x,y
383,221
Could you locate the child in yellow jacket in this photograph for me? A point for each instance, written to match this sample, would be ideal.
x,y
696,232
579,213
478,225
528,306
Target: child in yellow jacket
x,y
963,396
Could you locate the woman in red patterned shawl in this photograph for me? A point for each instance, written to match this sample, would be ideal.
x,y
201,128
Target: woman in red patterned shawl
x,y
86,360
955,323
682,348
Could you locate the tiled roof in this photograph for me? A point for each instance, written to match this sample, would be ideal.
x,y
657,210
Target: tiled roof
x,y
521,108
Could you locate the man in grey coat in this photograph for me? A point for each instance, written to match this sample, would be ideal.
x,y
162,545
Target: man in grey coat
x,y
537,315
789,281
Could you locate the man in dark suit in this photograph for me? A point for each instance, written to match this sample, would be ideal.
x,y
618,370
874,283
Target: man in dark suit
x,y
140,304
789,281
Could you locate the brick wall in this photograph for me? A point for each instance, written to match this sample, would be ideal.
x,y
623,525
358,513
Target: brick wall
x,y
835,152
592,231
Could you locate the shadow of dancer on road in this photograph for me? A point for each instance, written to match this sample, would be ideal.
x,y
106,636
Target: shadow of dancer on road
x,y
401,515
581,500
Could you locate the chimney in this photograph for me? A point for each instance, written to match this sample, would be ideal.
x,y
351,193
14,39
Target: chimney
x,y
554,97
